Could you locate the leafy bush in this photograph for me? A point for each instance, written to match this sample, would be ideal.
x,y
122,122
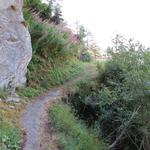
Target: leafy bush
x,y
41,77
30,92
54,55
48,40
71,134
117,105
47,75
9,137
85,57
45,11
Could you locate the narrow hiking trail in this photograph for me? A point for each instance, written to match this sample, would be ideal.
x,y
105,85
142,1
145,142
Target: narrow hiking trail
x,y
34,120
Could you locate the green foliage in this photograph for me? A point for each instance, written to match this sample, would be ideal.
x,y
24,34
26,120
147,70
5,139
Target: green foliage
x,y
121,89
72,134
9,137
4,94
49,42
51,12
85,57
30,92
59,75
57,18
50,75
44,10
41,77
54,56
82,33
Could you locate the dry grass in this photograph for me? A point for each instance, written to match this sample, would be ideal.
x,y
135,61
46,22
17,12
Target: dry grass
x,y
10,111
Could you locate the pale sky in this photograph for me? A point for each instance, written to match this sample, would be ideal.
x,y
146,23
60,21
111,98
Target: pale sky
x,y
105,18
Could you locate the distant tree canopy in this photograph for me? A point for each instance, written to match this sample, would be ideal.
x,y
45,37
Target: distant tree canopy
x,y
57,17
81,32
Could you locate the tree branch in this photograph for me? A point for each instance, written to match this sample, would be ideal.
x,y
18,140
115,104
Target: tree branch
x,y
124,130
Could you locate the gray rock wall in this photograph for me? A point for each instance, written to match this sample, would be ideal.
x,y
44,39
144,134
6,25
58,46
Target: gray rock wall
x,y
15,44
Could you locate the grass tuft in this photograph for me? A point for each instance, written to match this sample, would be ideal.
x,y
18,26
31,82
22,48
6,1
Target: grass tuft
x,y
72,134
10,135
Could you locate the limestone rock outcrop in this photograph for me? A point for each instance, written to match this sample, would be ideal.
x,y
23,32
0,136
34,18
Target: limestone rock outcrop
x,y
15,44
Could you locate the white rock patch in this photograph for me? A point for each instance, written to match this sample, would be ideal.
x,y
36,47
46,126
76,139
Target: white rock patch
x,y
15,44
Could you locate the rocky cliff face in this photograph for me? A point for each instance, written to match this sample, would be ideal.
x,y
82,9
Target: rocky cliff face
x,y
15,44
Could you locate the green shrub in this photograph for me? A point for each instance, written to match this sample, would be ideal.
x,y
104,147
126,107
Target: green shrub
x,y
47,76
85,57
44,10
54,55
72,134
9,137
59,75
121,89
30,92
50,41
41,79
